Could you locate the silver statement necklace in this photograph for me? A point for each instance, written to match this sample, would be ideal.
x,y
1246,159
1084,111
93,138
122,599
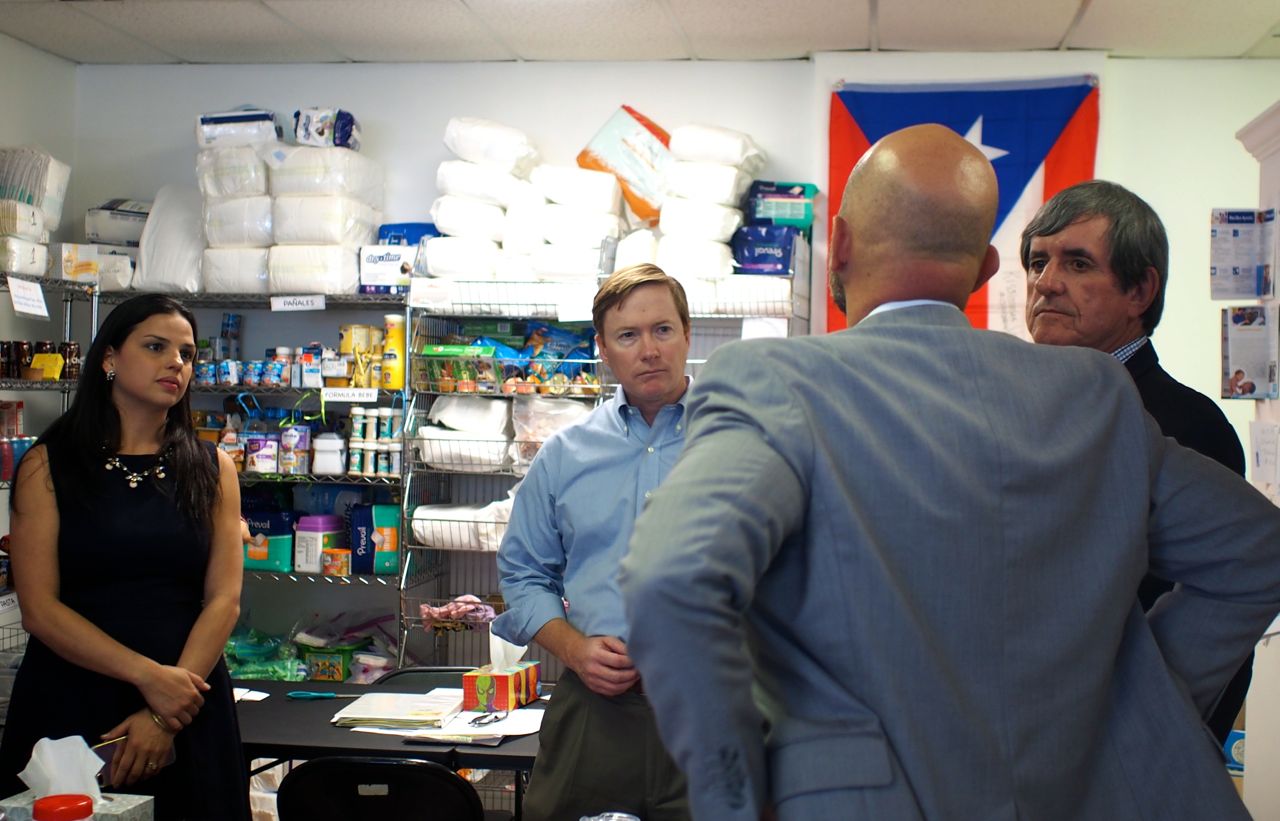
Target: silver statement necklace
x,y
156,470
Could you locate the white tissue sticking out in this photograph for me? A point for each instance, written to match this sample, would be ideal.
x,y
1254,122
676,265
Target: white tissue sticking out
x,y
503,654
60,766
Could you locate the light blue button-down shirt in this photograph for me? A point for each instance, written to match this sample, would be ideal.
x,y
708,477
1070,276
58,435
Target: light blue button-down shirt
x,y
573,516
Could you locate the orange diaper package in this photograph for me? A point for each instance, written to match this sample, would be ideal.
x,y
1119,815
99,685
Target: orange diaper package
x,y
634,149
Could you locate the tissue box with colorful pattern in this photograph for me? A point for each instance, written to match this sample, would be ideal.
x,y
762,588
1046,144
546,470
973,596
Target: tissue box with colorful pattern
x,y
488,690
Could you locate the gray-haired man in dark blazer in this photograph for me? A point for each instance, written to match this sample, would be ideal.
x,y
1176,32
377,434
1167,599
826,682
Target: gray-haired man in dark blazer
x,y
891,575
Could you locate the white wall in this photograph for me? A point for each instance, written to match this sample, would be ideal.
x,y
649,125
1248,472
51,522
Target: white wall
x,y
1170,136
144,116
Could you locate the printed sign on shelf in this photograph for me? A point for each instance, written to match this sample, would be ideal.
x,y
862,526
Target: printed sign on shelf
x,y
310,302
28,298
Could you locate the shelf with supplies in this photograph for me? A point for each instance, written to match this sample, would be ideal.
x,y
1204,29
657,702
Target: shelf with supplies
x,y
74,289
253,477
37,384
207,300
319,579
737,296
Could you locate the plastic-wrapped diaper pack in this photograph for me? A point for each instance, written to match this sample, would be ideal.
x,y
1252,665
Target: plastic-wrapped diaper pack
x,y
706,182
17,219
522,228
698,220
172,243
465,217
118,221
247,126
580,188
326,127
244,222
461,527
305,169
237,171
636,248
322,221
560,262
568,225
461,257
634,149
22,256
491,144
487,184
688,258
311,269
722,146
235,270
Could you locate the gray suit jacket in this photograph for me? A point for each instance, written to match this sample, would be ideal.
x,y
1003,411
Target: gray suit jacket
x,y
893,576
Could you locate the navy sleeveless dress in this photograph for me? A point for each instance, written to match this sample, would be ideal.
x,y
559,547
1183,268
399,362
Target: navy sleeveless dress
x,y
132,564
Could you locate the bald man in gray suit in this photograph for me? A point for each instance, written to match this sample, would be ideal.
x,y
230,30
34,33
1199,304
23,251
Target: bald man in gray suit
x,y
892,574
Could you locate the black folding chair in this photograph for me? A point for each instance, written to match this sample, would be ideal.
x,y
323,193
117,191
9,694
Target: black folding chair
x,y
423,679
349,788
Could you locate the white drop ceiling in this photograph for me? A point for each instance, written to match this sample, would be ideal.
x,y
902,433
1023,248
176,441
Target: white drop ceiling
x,y
392,31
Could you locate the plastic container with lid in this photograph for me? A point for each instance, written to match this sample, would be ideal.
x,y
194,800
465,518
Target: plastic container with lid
x,y
65,807
383,417
356,458
330,455
359,424
315,535
395,452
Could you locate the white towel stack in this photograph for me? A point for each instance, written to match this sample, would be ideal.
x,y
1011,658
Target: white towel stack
x,y
479,194
326,203
713,168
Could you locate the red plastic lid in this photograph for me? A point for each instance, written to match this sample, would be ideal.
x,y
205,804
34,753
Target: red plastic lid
x,y
62,808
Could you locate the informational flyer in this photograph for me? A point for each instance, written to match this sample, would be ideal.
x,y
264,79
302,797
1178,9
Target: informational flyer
x,y
1265,440
1242,253
1249,345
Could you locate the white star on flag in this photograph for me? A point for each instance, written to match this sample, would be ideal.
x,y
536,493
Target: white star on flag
x,y
974,136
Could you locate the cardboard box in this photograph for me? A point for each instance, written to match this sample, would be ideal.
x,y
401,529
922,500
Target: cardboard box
x,y
488,691
116,806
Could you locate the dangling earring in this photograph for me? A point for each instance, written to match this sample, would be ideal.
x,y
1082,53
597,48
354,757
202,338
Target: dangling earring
x,y
111,376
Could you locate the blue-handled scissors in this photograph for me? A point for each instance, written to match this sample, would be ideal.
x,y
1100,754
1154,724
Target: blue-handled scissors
x,y
311,695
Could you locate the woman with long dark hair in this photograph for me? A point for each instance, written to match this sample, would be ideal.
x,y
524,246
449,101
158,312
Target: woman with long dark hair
x,y
126,556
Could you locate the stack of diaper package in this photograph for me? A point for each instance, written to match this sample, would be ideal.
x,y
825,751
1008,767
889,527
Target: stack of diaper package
x,y
283,219
33,186
231,171
710,171
485,200
583,211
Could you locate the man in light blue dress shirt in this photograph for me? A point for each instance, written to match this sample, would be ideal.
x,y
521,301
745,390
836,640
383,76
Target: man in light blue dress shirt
x,y
572,519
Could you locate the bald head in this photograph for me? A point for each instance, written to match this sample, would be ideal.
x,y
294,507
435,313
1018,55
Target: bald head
x,y
917,215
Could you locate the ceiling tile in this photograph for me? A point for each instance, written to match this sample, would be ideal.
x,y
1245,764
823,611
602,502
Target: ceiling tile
x,y
395,31
213,31
61,30
772,29
1174,28
980,25
577,30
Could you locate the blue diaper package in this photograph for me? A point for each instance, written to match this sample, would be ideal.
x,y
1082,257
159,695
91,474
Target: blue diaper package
x,y
405,233
765,249
326,127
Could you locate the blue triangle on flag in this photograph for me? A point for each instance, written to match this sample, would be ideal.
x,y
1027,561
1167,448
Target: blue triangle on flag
x,y
1016,123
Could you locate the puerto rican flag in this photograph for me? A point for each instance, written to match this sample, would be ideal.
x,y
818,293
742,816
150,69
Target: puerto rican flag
x,y
1040,136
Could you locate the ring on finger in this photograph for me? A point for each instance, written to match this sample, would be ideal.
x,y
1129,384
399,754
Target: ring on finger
x,y
151,765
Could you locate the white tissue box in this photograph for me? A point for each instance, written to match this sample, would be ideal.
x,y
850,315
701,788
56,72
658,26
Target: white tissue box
x,y
119,806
